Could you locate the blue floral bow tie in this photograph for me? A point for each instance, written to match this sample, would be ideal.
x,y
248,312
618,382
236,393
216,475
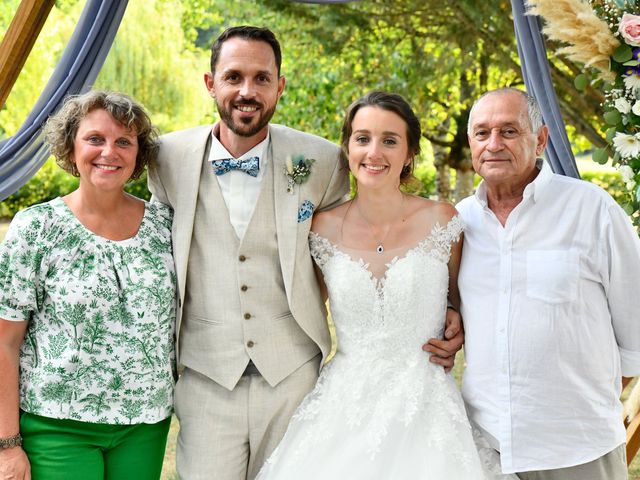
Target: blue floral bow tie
x,y
250,166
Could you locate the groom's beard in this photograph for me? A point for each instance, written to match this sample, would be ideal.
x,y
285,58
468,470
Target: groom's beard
x,y
246,127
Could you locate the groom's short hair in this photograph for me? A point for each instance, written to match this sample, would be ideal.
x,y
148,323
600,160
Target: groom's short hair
x,y
246,32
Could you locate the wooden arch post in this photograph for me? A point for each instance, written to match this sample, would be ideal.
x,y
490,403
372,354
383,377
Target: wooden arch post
x,y
18,41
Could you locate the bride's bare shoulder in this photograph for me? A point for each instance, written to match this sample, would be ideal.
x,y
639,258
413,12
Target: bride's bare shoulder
x,y
432,211
327,223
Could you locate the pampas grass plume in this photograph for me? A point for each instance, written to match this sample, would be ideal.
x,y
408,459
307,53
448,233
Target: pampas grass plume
x,y
574,22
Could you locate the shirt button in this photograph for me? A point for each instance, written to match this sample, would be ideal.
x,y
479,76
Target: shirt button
x,y
247,316
244,288
242,258
250,344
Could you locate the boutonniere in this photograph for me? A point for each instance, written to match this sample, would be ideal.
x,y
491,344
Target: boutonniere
x,y
297,171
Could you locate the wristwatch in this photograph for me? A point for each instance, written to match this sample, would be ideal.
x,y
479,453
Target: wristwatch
x,y
10,442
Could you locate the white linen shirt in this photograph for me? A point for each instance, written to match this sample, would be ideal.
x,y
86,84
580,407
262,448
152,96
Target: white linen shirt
x,y
239,190
550,304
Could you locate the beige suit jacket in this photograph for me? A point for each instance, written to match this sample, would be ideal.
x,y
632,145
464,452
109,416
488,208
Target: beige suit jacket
x,y
174,178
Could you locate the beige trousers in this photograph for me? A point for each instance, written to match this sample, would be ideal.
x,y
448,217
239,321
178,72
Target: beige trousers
x,y
612,466
227,435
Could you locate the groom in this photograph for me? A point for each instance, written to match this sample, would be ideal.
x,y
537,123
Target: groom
x,y
252,327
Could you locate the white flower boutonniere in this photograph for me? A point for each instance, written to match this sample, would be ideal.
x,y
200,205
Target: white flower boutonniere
x,y
297,171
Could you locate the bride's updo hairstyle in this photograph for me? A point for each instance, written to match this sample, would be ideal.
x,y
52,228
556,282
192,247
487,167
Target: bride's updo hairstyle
x,y
393,103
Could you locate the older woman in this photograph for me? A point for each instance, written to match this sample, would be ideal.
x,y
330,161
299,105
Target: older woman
x,y
87,306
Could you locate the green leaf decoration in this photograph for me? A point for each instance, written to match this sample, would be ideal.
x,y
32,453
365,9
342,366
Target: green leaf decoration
x,y
628,208
611,132
638,193
581,82
612,117
631,63
623,53
600,155
620,3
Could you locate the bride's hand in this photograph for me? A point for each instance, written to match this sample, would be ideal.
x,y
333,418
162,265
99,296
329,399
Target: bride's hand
x,y
443,352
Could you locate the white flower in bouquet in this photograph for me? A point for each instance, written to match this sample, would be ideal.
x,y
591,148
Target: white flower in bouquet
x,y
632,81
627,145
622,105
636,108
627,174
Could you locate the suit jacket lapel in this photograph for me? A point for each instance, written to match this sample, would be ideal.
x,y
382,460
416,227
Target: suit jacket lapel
x,y
286,208
188,178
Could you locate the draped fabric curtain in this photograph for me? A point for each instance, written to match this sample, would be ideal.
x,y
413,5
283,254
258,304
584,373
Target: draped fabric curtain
x,y
23,154
537,78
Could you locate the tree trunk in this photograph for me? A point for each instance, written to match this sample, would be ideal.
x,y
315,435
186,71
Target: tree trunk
x,y
443,180
464,184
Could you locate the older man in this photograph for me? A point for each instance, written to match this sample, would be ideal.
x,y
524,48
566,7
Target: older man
x,y
548,281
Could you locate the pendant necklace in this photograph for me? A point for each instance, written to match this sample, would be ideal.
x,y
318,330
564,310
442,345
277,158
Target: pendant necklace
x,y
380,246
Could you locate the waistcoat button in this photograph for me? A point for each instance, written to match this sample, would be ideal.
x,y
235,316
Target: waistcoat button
x,y
242,258
250,343
247,316
244,288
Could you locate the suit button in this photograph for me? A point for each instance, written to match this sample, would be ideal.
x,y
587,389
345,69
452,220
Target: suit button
x,y
242,258
250,344
244,288
247,316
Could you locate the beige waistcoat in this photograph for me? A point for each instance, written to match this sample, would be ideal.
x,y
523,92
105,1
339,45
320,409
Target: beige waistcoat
x,y
236,307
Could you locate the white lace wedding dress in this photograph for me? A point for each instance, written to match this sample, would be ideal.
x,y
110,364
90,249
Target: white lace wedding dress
x,y
380,409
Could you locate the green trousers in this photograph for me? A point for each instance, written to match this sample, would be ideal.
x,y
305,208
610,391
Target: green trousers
x,y
72,450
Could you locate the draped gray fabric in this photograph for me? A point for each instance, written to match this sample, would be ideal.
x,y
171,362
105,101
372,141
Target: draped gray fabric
x,y
23,154
537,78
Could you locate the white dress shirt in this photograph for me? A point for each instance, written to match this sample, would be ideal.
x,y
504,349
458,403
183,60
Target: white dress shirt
x,y
550,304
239,190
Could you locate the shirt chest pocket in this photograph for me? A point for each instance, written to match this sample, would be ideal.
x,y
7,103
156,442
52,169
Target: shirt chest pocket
x,y
552,275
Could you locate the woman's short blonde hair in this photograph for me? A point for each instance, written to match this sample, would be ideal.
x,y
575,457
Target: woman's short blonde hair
x,y
61,128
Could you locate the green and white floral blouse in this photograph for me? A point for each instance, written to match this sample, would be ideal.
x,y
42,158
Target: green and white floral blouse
x,y
99,344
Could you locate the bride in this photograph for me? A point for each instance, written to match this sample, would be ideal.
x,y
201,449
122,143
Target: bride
x,y
380,409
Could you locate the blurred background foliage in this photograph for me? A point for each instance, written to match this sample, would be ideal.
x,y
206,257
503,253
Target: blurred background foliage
x,y
439,55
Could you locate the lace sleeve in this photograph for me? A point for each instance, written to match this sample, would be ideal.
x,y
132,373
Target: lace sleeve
x,y
452,231
321,248
442,237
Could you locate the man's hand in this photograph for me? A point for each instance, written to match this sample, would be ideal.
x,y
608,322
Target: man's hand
x,y
443,352
14,464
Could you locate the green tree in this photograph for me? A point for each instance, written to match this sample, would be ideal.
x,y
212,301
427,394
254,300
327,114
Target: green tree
x,y
96,403
131,408
94,334
151,60
41,62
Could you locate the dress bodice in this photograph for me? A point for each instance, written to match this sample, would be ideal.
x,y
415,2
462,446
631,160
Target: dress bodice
x,y
399,310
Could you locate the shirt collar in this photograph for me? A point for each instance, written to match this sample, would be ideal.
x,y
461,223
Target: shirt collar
x,y
219,152
534,189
